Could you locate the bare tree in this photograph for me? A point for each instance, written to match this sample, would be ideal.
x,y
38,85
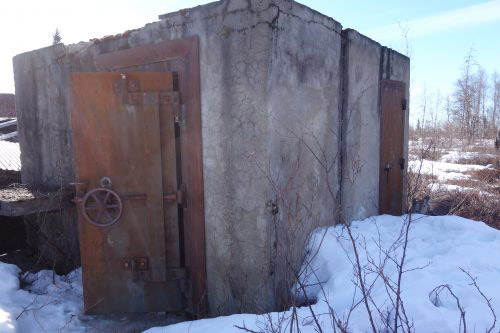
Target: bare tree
x,y
423,106
436,110
495,109
463,108
480,86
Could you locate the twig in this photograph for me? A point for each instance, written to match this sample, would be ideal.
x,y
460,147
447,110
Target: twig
x,y
487,300
436,291
360,278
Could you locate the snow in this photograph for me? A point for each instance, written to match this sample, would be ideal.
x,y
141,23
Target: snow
x,y
455,155
50,304
442,189
439,188
443,170
441,245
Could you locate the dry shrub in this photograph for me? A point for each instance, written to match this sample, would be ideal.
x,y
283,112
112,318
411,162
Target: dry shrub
x,y
480,204
419,185
488,176
478,160
433,154
481,149
471,204
426,150
486,180
467,184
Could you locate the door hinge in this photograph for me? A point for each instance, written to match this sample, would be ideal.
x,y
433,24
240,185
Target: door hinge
x,y
172,98
403,104
402,163
178,197
180,114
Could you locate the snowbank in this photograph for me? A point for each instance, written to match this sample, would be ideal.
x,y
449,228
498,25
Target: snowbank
x,y
453,156
51,303
439,244
442,244
442,170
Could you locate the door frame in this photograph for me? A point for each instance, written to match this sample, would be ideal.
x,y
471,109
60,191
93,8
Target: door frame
x,y
182,56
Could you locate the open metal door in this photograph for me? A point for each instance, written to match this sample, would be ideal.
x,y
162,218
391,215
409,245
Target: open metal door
x,y
392,163
128,194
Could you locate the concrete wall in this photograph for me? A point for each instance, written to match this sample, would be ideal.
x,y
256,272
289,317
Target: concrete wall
x,y
366,62
7,105
271,93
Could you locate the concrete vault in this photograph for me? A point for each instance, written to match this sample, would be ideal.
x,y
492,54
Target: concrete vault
x,y
293,116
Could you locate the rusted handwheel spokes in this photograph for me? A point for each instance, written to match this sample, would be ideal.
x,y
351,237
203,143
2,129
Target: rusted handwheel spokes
x,y
102,206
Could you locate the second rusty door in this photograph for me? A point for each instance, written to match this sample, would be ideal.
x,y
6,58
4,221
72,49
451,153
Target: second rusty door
x,y
392,162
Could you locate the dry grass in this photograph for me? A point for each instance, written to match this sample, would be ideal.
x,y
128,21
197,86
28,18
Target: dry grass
x,y
479,195
472,205
479,160
481,203
430,152
419,186
486,180
481,149
488,176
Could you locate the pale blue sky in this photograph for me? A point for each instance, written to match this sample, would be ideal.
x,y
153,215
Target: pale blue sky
x,y
440,32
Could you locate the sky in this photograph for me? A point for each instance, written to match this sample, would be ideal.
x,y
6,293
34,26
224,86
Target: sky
x,y
440,32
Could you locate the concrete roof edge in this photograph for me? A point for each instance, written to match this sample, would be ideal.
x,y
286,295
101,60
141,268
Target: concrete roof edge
x,y
42,49
368,39
277,3
360,35
189,9
337,24
399,54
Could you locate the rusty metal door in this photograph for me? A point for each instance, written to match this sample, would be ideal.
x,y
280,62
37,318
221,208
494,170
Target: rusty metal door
x,y
392,163
127,192
182,57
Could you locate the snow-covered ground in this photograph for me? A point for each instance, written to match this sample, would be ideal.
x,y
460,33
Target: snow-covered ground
x,y
444,171
441,245
50,304
451,167
455,155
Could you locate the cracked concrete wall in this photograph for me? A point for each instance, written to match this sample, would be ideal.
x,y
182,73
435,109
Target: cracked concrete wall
x,y
366,63
271,74
303,104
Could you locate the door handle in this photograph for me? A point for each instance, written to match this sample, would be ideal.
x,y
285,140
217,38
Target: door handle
x,y
387,168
